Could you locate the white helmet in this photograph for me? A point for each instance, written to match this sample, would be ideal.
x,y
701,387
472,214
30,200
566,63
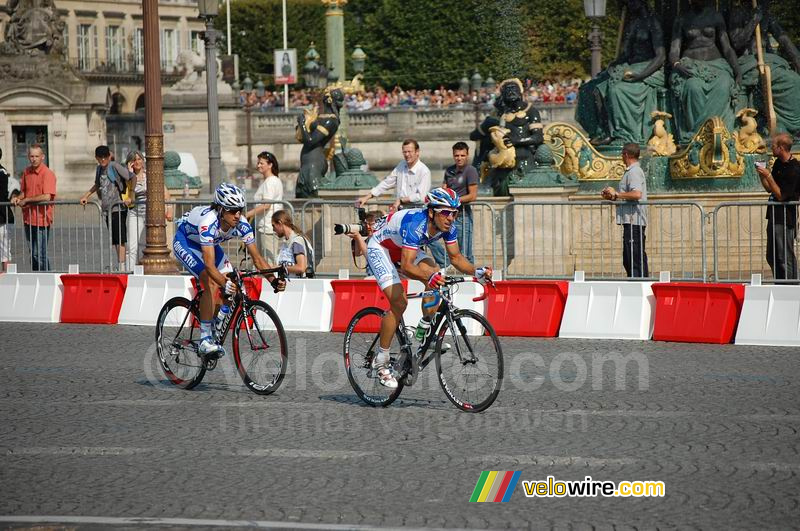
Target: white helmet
x,y
229,197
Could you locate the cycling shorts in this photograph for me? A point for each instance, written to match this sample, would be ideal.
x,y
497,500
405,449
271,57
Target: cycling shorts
x,y
190,254
380,264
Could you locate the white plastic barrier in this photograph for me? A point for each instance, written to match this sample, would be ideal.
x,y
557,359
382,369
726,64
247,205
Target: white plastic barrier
x,y
609,310
770,316
146,294
305,306
462,299
31,297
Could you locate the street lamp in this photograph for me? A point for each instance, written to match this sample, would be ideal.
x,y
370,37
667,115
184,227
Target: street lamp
x,y
359,59
595,10
311,69
463,84
332,77
208,9
476,81
490,84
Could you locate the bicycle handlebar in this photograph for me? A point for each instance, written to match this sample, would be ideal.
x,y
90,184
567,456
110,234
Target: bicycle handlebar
x,y
451,281
279,271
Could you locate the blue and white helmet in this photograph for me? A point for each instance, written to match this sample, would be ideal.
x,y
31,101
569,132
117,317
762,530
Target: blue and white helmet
x,y
442,198
229,197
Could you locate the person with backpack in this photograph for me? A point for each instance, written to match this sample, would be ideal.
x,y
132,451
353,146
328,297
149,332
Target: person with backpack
x,y
295,252
110,182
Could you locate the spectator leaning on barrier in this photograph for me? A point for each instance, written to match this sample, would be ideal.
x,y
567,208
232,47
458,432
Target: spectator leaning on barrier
x,y
9,189
295,253
783,185
137,209
462,178
270,189
411,179
630,214
38,184
110,182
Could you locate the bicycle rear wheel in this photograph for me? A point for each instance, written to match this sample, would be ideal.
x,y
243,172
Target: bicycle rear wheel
x,y
471,370
259,348
359,349
177,338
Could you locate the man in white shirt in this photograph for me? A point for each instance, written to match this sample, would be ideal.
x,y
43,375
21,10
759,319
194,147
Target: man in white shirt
x,y
411,179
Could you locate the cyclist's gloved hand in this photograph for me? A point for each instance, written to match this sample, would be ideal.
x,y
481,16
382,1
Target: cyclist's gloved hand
x,y
483,274
230,287
278,284
436,280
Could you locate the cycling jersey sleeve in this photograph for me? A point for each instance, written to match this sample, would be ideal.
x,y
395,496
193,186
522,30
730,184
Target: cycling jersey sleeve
x,y
208,228
452,235
411,231
245,232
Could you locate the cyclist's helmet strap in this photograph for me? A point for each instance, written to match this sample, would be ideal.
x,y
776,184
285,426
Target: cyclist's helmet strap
x,y
229,197
442,198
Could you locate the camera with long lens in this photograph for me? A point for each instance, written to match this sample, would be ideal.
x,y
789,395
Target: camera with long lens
x,y
360,227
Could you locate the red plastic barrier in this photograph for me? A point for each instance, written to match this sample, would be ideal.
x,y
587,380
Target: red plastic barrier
x,y
95,299
697,313
527,308
251,284
350,296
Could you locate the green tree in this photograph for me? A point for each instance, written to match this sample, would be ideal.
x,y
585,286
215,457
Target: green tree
x,y
257,30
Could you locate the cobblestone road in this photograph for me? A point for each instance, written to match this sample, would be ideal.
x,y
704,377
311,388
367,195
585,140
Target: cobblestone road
x,y
89,429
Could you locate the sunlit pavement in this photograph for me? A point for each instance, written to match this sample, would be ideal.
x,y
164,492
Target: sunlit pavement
x,y
92,437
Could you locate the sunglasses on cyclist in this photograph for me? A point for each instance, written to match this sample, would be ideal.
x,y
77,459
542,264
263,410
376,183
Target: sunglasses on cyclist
x,y
447,213
233,210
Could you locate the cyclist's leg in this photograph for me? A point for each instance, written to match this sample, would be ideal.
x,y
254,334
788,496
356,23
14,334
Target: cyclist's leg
x,y
430,267
389,281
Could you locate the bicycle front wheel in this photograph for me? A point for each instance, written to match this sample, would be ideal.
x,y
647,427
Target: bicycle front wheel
x,y
177,339
259,348
361,343
471,369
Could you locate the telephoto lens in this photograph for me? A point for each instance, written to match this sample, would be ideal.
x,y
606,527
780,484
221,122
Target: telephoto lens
x,y
341,228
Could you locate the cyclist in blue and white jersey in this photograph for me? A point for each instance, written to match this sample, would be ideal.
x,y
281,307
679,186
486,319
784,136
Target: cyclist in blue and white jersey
x,y
396,242
197,245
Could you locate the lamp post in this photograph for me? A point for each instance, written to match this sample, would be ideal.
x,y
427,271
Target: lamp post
x,y
463,84
595,10
208,9
476,81
359,59
311,69
156,254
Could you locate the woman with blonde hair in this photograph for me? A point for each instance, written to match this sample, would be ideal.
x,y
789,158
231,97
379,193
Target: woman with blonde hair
x,y
295,253
137,204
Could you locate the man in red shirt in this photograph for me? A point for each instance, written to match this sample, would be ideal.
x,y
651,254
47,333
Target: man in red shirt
x,y
38,184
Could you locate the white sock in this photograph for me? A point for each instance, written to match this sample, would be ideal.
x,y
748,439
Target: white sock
x,y
206,328
383,356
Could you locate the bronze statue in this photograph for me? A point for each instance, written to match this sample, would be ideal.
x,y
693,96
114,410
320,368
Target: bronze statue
x,y
705,71
612,107
34,27
524,134
314,130
785,85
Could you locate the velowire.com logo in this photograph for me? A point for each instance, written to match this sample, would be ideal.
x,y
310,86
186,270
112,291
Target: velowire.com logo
x,y
494,486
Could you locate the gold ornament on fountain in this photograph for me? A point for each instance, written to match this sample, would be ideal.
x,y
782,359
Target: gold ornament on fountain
x,y
575,156
501,156
747,138
661,143
711,154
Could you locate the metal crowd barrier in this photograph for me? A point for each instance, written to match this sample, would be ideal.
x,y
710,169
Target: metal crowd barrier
x,y
334,252
746,243
70,233
552,240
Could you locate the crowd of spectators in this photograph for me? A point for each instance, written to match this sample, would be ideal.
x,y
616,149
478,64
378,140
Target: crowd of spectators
x,y
542,93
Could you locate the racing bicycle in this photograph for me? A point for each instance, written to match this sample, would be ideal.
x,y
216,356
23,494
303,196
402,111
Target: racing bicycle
x,y
469,359
259,342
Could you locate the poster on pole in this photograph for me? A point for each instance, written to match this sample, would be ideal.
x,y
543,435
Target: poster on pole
x,y
286,66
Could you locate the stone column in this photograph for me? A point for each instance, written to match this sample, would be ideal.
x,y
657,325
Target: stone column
x,y
334,36
156,255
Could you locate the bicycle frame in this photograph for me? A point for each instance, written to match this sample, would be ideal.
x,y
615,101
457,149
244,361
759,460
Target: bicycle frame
x,y
443,316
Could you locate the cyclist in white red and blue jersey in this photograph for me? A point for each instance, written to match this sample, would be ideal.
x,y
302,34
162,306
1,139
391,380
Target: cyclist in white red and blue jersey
x,y
396,243
196,244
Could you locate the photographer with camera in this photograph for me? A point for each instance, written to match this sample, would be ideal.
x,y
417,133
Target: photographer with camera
x,y
359,233
295,252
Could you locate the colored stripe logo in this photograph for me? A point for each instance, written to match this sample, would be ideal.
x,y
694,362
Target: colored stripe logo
x,y
494,486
